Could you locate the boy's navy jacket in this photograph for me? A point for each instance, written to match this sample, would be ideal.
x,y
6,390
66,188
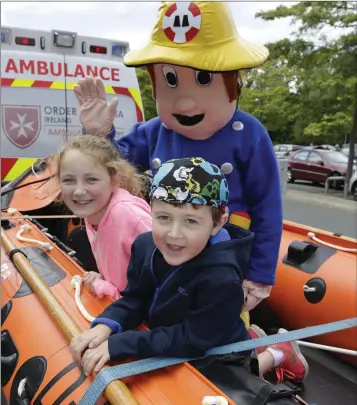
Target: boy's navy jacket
x,y
195,308
254,182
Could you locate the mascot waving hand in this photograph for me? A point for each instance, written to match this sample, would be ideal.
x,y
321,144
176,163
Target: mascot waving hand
x,y
194,59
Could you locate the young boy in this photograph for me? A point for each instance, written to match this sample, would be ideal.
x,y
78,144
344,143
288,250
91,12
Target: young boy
x,y
184,278
186,288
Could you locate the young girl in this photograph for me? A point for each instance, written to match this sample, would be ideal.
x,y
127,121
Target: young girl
x,y
100,186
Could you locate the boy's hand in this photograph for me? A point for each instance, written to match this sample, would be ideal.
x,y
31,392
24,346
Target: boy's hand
x,y
96,114
254,293
95,358
88,279
89,339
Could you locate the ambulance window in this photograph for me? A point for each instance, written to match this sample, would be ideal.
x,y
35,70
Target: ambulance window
x,y
5,37
98,49
25,41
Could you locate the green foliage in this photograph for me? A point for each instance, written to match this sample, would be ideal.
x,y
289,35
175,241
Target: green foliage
x,y
307,88
146,93
268,94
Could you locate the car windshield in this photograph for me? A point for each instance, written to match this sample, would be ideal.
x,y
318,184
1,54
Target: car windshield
x,y
336,157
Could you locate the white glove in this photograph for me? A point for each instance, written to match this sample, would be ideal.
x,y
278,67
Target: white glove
x,y
254,293
95,114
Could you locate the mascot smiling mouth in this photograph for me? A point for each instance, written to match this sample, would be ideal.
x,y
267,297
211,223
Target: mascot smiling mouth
x,y
189,121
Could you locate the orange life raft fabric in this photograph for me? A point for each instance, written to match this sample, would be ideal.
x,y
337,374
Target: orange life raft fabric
x,y
41,193
29,330
331,271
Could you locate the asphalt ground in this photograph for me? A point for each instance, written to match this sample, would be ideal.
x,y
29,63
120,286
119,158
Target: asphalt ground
x,y
309,205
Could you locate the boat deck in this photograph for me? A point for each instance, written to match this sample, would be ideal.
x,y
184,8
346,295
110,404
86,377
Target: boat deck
x,y
330,381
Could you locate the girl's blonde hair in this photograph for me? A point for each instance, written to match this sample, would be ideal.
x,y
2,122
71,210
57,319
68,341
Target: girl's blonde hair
x,y
105,154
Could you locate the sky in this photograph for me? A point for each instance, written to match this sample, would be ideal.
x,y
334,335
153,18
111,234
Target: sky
x,y
130,21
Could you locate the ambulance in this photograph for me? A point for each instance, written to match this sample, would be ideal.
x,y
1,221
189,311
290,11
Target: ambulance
x,y
39,111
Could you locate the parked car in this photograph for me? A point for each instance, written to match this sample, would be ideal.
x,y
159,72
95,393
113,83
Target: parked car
x,y
324,147
283,151
317,165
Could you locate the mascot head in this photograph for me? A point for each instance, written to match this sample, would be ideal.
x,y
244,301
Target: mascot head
x,y
194,59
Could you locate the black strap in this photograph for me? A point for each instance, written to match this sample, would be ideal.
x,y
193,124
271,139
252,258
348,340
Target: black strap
x,y
271,392
11,254
285,390
263,395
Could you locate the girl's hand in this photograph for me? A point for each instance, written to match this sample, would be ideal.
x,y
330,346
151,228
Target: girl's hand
x,y
88,279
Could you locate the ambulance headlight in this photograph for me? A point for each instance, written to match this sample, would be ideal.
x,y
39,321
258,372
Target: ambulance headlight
x,y
63,39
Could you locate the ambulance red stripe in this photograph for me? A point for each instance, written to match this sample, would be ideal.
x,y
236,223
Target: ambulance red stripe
x,y
6,166
42,83
6,82
47,84
125,92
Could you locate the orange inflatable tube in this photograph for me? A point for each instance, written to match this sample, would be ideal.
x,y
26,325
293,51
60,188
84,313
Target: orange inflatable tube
x,y
36,188
316,283
35,349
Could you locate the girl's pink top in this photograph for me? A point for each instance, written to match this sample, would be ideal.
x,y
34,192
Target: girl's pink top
x,y
126,217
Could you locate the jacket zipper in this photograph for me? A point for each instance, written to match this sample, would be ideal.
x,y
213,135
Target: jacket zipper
x,y
159,289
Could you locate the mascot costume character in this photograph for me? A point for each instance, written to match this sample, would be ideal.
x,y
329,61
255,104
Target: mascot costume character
x,y
194,59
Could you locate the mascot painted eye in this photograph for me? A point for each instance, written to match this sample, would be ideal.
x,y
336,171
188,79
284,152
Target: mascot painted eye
x,y
170,76
203,78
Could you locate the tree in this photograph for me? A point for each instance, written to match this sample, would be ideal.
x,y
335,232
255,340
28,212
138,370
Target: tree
x,y
146,93
337,56
268,94
297,85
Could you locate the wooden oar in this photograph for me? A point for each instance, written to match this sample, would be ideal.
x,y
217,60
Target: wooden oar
x,y
116,392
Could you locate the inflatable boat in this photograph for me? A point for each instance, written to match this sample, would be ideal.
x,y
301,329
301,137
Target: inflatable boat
x,y
40,315
315,268
315,284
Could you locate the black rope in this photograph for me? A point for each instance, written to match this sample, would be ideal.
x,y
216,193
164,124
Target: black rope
x,y
10,190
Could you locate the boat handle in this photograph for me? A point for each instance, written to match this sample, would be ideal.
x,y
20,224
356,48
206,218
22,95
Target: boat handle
x,y
77,283
211,400
314,238
27,227
33,170
306,288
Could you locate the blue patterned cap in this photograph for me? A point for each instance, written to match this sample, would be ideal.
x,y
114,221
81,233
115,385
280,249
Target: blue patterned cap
x,y
190,181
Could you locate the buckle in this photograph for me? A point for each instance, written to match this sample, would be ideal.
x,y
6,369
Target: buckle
x,y
285,390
